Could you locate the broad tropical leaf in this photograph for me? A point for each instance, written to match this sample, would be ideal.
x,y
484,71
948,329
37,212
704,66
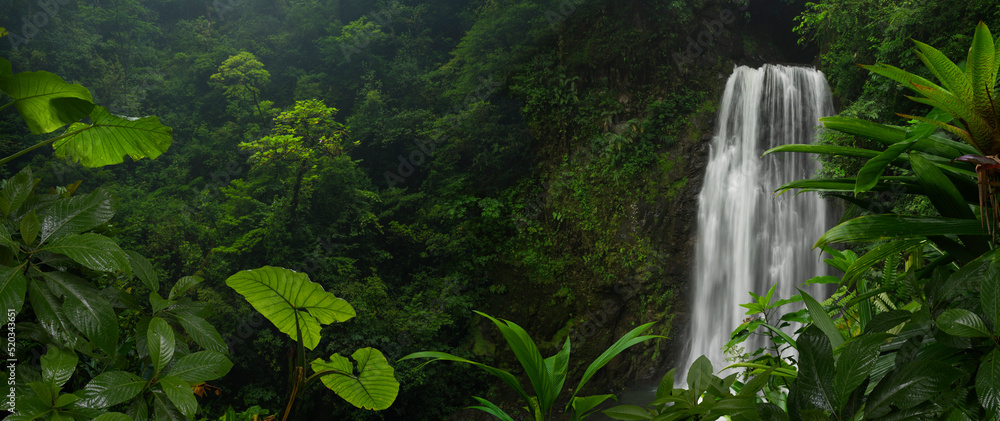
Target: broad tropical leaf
x,y
988,383
892,227
816,370
13,286
625,342
202,332
183,285
160,341
291,301
202,366
94,251
111,388
373,387
179,392
962,322
86,309
46,102
111,137
76,215
142,268
505,376
489,408
58,365
855,364
910,385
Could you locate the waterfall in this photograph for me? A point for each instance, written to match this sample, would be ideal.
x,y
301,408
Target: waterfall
x,y
748,239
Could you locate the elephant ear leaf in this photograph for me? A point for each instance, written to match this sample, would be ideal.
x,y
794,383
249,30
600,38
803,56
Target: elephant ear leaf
x,y
296,305
110,137
46,102
374,387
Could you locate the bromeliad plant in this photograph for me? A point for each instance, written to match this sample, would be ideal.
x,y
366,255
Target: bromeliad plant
x,y
299,307
547,375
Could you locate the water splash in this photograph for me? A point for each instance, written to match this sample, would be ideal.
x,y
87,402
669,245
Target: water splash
x,y
748,239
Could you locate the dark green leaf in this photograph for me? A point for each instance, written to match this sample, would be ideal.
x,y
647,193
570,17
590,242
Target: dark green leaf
x,y
164,409
202,332
962,322
13,286
873,168
892,227
201,366
988,383
855,363
884,321
490,408
183,285
29,228
111,388
160,341
821,319
58,365
143,269
912,384
84,306
94,251
51,316
816,370
627,413
179,392
16,190
990,294
76,215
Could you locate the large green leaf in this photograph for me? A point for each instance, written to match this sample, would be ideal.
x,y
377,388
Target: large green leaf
x,y
76,214
821,319
111,388
988,383
962,322
816,370
94,251
165,409
855,364
892,227
873,168
912,384
29,228
291,301
58,365
183,285
110,138
86,308
627,412
582,405
531,360
142,268
202,332
505,376
990,295
16,190
491,408
160,341
179,392
699,375
373,387
51,316
625,342
13,286
201,366
46,102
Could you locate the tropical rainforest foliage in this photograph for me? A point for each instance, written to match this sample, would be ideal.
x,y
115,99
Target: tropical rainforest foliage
x,y
537,160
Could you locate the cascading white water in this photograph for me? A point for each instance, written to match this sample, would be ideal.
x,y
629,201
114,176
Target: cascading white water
x,y
748,239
